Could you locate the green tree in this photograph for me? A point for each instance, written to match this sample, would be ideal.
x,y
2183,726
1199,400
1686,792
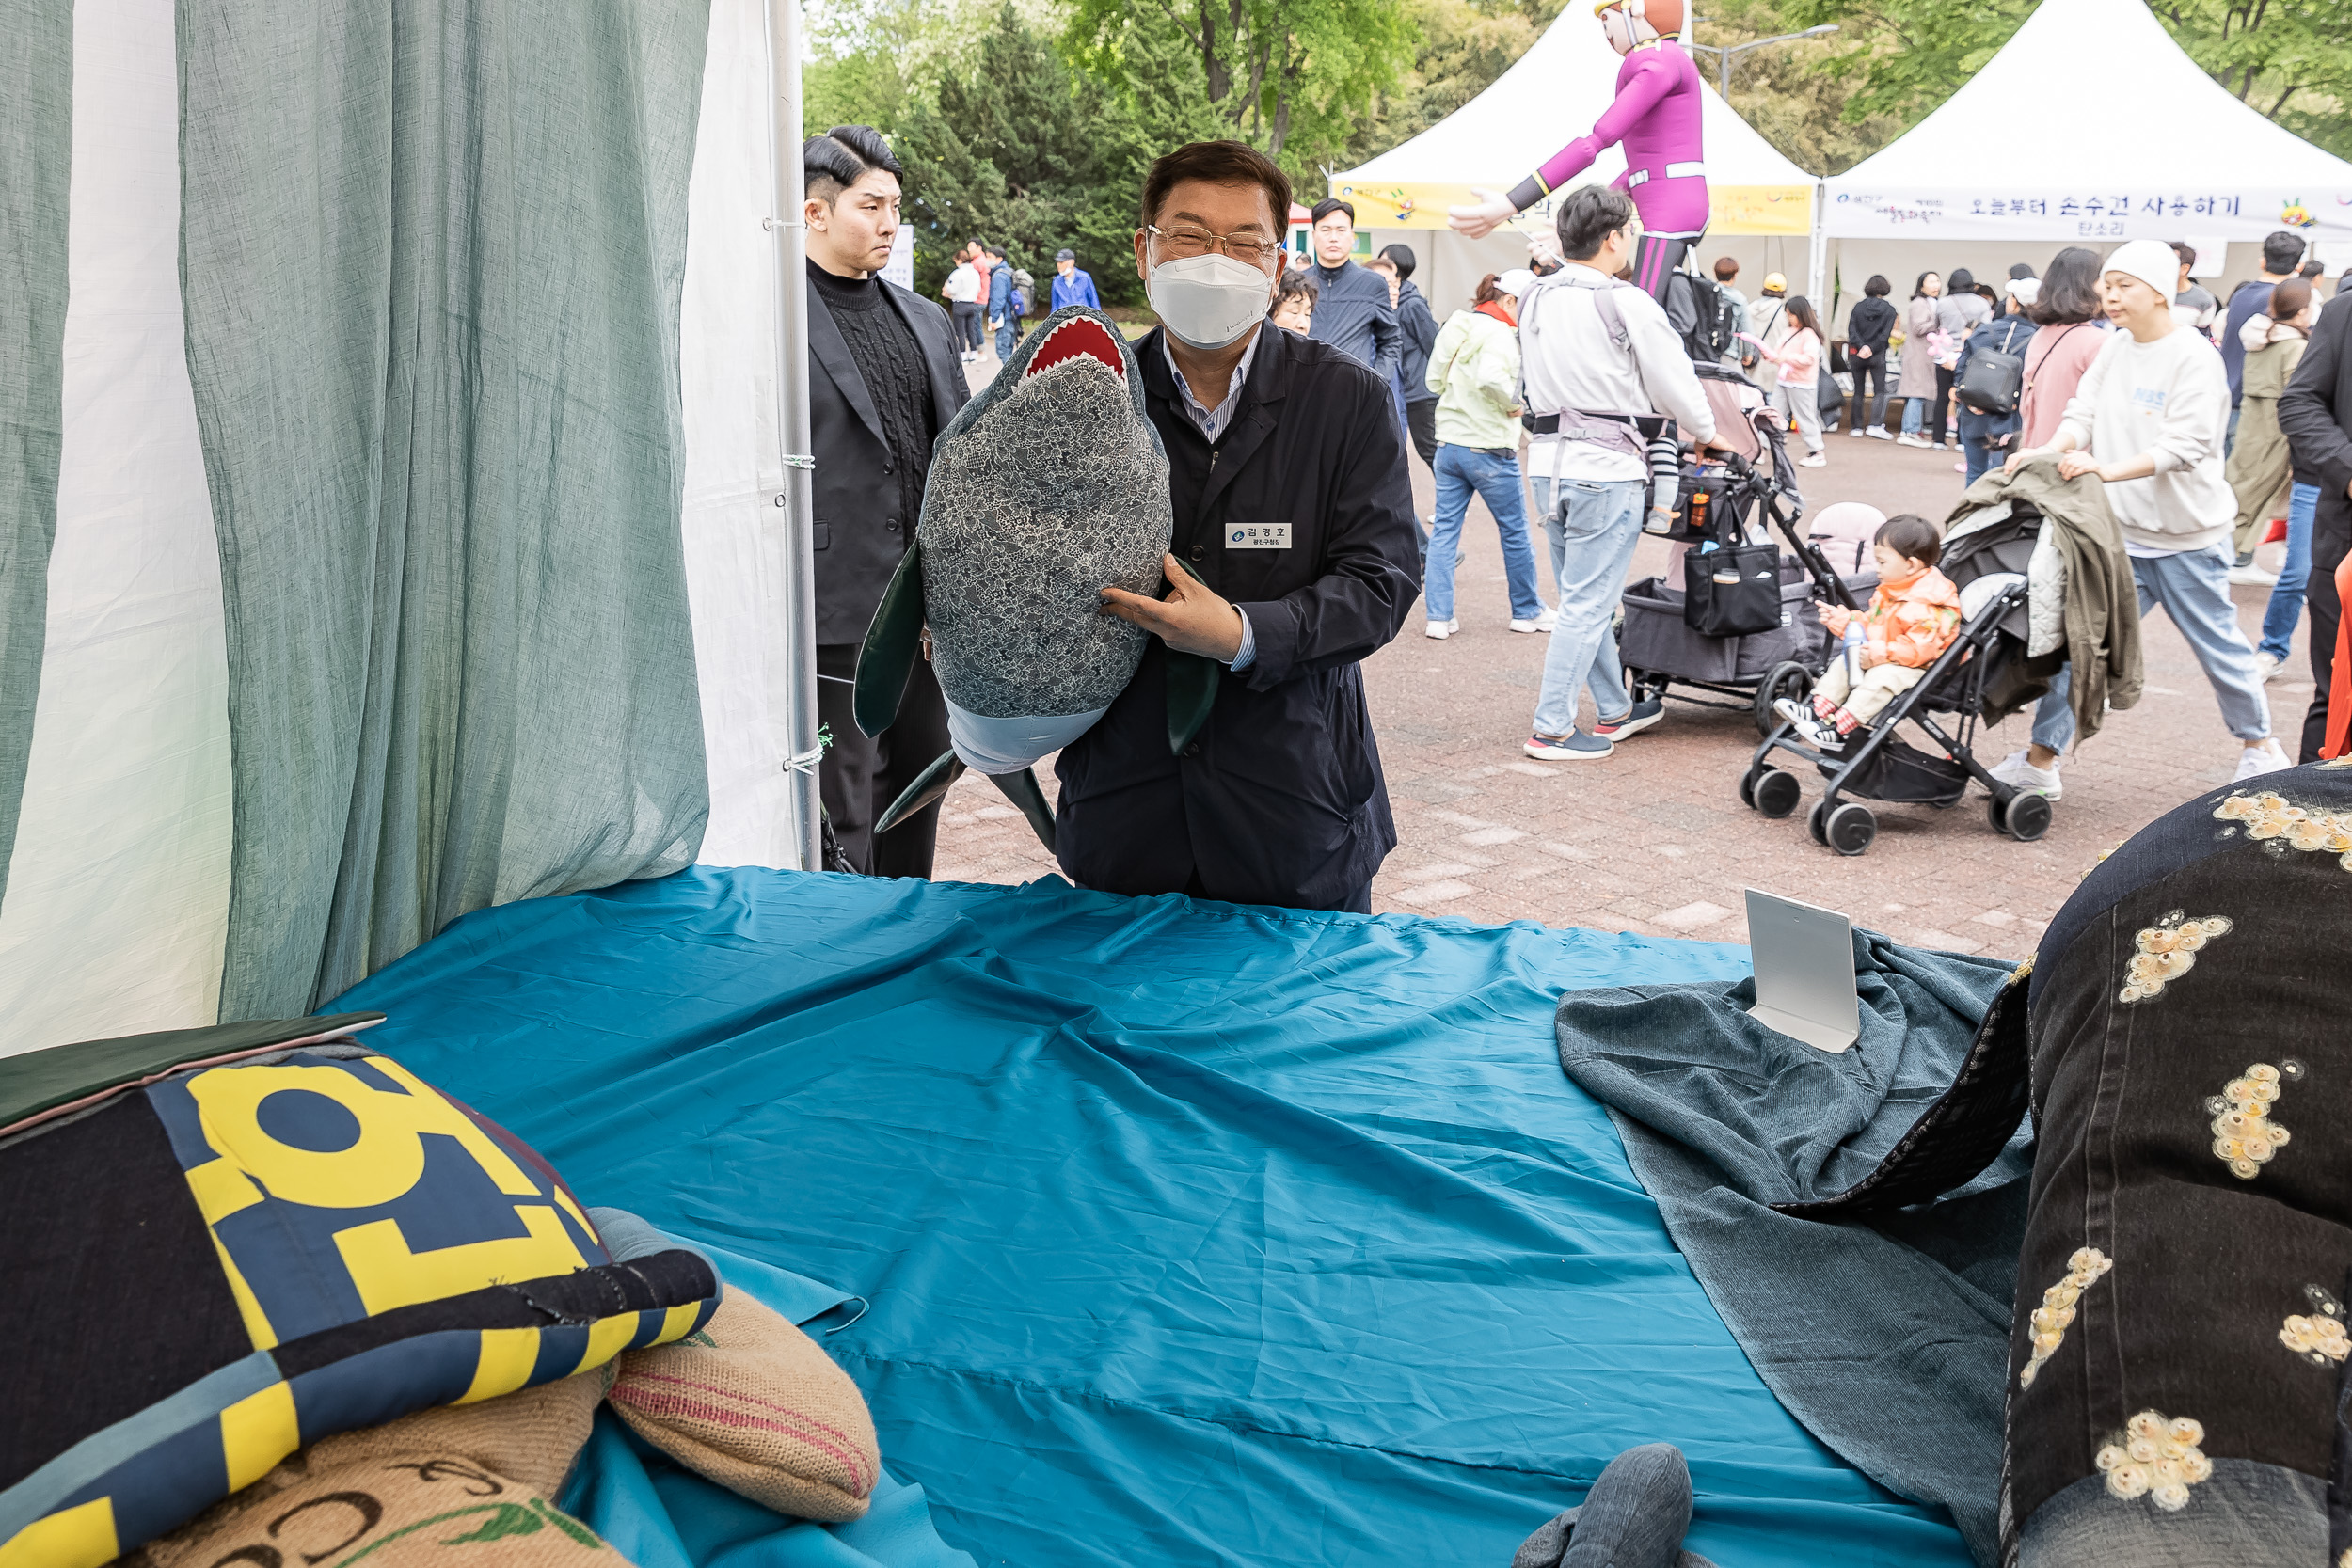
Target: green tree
x,y
2292,59
1295,77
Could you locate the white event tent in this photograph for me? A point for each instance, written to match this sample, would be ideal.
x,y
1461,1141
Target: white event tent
x,y
2090,127
1550,96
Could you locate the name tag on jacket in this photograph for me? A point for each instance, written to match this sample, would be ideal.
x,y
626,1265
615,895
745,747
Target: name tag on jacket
x,y
1258,537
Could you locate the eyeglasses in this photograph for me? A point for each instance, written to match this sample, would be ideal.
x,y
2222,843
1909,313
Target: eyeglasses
x,y
1184,242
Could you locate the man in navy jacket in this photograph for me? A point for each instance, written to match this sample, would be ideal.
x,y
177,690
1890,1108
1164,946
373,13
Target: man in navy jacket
x,y
1293,519
1352,310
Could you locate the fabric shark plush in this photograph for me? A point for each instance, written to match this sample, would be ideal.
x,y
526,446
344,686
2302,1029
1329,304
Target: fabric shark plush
x,y
1044,488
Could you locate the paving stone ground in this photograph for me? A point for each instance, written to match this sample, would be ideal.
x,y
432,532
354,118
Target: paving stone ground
x,y
1654,840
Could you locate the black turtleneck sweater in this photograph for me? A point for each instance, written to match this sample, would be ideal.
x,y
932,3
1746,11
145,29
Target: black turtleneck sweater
x,y
890,362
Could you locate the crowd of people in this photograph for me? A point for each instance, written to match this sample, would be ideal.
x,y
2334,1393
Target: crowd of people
x,y
2202,418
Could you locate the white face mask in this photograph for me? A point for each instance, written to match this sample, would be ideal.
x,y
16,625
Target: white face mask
x,y
1209,301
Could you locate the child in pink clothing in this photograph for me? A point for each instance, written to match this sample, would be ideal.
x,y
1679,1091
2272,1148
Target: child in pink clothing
x,y
1913,618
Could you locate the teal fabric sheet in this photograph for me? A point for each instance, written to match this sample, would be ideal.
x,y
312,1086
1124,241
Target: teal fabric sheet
x,y
1193,1234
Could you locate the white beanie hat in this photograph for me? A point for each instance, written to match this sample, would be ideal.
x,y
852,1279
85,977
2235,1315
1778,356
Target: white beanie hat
x,y
2152,262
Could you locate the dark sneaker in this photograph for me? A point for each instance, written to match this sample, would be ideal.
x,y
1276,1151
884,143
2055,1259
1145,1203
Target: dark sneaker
x,y
1576,746
1639,718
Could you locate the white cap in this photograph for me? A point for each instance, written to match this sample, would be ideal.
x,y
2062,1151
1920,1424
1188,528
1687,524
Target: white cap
x,y
1515,282
2024,291
2152,262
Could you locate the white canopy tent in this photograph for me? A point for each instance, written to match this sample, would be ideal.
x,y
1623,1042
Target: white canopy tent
x,y
1551,95
2090,127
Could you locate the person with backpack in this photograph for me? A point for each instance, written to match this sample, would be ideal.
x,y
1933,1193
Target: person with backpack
x,y
1598,358
1989,380
1000,312
1869,325
1474,373
1736,312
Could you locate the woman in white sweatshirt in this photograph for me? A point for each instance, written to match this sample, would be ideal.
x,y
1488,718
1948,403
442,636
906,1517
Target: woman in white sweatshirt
x,y
2148,421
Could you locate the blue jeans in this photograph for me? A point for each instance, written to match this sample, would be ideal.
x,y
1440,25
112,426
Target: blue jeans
x,y
1975,431
1005,325
2193,589
1914,414
2286,600
1496,479
1593,530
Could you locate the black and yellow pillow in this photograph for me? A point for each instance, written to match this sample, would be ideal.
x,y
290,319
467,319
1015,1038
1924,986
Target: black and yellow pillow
x,y
232,1243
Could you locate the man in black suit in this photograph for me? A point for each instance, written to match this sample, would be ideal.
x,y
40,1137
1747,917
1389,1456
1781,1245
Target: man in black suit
x,y
1294,558
882,382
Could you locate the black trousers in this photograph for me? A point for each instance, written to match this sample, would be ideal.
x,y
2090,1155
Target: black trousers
x,y
1870,391
967,323
1943,402
1420,420
2331,539
861,774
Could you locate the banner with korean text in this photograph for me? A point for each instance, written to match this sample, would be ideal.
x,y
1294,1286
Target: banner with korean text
x,y
2091,215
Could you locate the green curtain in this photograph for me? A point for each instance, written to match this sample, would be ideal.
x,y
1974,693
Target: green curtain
x,y
36,153
431,253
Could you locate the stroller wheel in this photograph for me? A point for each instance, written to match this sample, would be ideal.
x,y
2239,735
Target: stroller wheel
x,y
1813,824
1786,679
1777,792
1850,827
1747,786
2027,817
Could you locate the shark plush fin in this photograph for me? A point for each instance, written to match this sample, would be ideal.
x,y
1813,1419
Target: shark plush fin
x,y
1191,690
1191,693
1021,790
894,640
928,788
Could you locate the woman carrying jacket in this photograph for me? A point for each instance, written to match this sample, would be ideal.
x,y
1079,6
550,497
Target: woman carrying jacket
x,y
2260,466
1475,372
1919,380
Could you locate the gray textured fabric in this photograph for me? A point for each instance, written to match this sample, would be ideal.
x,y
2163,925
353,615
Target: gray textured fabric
x,y
1634,1517
36,150
1888,1339
1047,486
432,258
2245,1513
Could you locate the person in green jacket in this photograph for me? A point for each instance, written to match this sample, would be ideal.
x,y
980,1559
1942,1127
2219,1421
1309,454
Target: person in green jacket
x,y
1474,371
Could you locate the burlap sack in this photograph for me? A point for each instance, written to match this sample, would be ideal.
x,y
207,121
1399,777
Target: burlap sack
x,y
752,1402
446,1488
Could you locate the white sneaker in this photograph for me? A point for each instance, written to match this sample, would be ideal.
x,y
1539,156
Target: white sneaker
x,y
1813,460
1544,622
1880,433
1907,439
2253,577
2265,667
2262,757
1857,434
2018,772
1441,630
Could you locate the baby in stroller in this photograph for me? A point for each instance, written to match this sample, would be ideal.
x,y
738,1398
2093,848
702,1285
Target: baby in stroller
x,y
1913,617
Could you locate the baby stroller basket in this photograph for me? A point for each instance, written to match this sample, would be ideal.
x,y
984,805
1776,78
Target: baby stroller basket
x,y
1878,765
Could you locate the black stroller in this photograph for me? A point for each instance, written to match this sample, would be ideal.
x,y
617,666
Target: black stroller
x,y
1770,646
1987,654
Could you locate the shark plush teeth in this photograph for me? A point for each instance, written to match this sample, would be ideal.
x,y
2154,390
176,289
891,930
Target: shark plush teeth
x,y
1045,487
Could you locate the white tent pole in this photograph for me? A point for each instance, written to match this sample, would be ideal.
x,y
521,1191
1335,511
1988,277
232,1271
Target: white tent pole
x,y
796,497
1817,257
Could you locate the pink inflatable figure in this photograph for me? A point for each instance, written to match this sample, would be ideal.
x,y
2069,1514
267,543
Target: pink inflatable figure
x,y
1655,115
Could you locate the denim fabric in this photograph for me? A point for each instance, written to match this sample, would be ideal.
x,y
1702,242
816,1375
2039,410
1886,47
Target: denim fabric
x,y
1886,1334
1593,529
1007,334
1915,415
1460,471
1975,430
2286,600
2193,589
2247,1514
1634,1517
2182,1254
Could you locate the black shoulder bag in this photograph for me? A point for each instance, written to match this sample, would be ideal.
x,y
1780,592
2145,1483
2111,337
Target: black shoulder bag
x,y
1995,378
1733,590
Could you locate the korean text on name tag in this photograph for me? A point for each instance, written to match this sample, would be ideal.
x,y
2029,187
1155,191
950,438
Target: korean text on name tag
x,y
1258,537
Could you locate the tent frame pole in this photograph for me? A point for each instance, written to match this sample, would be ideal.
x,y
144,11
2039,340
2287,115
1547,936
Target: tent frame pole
x,y
796,497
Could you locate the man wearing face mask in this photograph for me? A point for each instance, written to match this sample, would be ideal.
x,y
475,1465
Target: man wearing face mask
x,y
1293,558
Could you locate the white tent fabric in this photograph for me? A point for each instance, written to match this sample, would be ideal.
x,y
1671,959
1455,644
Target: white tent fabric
x,y
1550,96
116,907
2091,125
